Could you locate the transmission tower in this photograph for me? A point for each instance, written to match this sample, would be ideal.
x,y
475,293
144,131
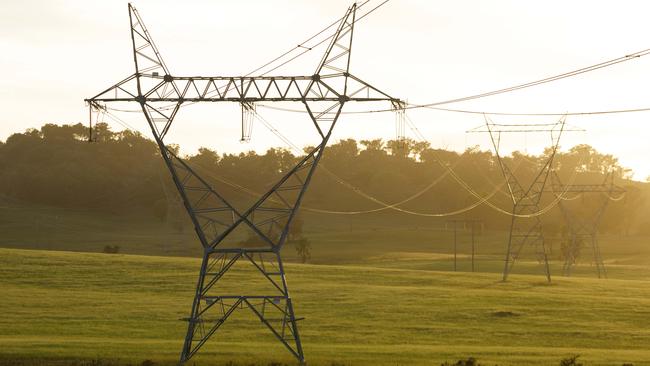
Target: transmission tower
x,y
160,96
585,227
525,224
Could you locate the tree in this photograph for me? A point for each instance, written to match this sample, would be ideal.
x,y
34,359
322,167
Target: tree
x,y
570,361
295,230
400,148
56,166
376,145
569,250
418,147
303,249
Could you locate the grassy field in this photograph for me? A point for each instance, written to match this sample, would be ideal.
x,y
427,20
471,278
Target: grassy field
x,y
67,305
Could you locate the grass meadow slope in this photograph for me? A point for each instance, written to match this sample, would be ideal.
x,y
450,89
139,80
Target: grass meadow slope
x,y
125,308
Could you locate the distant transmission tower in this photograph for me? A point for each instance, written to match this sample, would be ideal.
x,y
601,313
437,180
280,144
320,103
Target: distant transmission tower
x,y
525,224
585,226
160,95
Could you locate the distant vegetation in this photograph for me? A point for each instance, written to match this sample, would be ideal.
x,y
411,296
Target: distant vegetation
x,y
111,249
122,172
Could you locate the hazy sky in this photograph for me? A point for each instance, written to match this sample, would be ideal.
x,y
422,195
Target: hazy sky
x,y
56,53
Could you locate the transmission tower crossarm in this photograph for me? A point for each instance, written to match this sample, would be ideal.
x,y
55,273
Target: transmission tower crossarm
x,y
243,89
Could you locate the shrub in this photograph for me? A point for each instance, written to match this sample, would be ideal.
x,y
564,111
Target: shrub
x,y
570,361
112,250
468,362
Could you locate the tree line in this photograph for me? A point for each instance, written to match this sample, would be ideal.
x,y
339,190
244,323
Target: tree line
x,y
122,171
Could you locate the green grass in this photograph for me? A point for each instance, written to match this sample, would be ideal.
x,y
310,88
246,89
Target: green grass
x,y
54,228
66,305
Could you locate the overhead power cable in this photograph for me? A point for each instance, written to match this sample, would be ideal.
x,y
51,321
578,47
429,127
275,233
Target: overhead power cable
x,y
616,199
305,48
495,113
384,205
121,121
541,114
469,189
545,80
302,44
434,105
480,199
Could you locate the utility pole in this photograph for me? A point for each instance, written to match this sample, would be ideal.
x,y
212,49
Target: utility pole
x,y
455,247
473,249
465,223
455,225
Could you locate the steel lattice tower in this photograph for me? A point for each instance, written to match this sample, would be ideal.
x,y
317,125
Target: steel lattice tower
x,y
160,96
583,226
525,224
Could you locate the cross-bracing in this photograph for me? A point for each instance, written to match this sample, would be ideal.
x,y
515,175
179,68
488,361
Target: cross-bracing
x,y
160,96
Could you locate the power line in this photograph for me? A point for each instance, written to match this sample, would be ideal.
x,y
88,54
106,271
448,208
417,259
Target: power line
x,y
434,105
121,121
494,113
542,114
384,205
305,49
545,80
469,189
449,171
301,44
480,199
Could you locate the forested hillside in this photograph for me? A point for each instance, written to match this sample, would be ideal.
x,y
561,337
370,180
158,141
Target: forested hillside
x,y
122,172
